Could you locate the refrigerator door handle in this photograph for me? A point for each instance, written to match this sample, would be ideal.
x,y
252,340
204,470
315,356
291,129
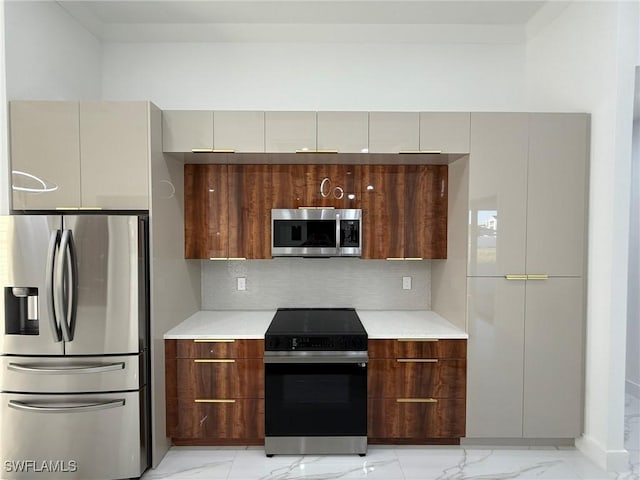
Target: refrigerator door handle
x,y
48,408
52,255
66,274
66,370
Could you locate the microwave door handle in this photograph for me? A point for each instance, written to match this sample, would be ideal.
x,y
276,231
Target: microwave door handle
x,y
50,290
338,235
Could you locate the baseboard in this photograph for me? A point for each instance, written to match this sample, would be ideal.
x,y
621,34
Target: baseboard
x,y
609,460
632,388
518,442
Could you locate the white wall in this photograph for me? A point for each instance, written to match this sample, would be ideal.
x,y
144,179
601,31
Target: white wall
x,y
49,55
585,61
317,76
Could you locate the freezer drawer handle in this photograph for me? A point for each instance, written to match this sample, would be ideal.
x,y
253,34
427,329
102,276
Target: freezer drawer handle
x,y
66,369
89,407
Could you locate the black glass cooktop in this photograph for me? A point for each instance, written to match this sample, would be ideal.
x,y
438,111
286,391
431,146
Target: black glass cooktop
x,y
329,329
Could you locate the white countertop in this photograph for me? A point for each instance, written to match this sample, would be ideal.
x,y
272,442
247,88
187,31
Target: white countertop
x,y
252,324
223,324
408,324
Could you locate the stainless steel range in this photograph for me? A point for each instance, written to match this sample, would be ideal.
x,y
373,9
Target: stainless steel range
x,y
316,382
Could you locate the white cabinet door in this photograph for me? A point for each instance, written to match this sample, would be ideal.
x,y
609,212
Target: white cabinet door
x,y
394,132
187,130
114,149
495,357
553,348
45,155
445,132
290,132
557,194
343,132
497,194
238,131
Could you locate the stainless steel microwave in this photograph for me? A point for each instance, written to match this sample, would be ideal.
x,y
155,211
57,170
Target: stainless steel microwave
x,y
316,232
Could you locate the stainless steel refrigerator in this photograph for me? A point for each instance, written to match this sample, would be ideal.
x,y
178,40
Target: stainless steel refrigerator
x,y
74,386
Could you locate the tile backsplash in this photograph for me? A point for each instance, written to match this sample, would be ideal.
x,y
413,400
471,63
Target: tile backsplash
x,y
307,282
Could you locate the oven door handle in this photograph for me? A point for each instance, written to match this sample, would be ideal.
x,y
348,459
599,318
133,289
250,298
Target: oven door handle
x,y
308,357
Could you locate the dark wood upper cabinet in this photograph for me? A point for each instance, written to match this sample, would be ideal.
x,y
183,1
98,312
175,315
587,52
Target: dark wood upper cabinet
x,y
288,185
228,207
404,211
206,211
249,211
315,185
425,211
382,211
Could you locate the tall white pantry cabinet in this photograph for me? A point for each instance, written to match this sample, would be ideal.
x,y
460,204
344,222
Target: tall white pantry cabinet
x,y
526,275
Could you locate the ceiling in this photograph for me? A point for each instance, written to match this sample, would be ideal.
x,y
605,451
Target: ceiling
x,y
485,21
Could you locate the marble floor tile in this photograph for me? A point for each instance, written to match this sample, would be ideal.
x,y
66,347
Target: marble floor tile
x,y
400,462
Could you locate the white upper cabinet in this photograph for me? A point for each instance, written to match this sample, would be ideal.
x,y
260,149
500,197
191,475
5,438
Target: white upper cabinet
x,y
70,155
557,193
444,132
238,131
343,132
45,155
289,132
394,132
187,130
114,152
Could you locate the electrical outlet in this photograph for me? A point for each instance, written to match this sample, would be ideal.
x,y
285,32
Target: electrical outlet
x,y
406,283
242,283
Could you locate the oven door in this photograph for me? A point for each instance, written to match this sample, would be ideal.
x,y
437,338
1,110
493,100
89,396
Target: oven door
x,y
315,399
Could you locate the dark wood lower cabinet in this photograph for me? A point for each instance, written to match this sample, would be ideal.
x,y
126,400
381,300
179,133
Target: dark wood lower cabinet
x,y
215,391
203,421
413,420
417,391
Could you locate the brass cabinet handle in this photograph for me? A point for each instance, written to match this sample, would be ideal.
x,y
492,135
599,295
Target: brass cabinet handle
x,y
214,360
521,276
214,400
223,150
515,277
417,360
226,258
213,340
394,258
416,400
202,150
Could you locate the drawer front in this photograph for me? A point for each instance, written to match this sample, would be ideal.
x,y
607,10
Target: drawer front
x,y
220,348
236,419
389,378
93,435
423,418
71,374
382,348
431,349
220,378
417,348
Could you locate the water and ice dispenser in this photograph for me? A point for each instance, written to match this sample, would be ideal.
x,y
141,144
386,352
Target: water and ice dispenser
x,y
21,311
